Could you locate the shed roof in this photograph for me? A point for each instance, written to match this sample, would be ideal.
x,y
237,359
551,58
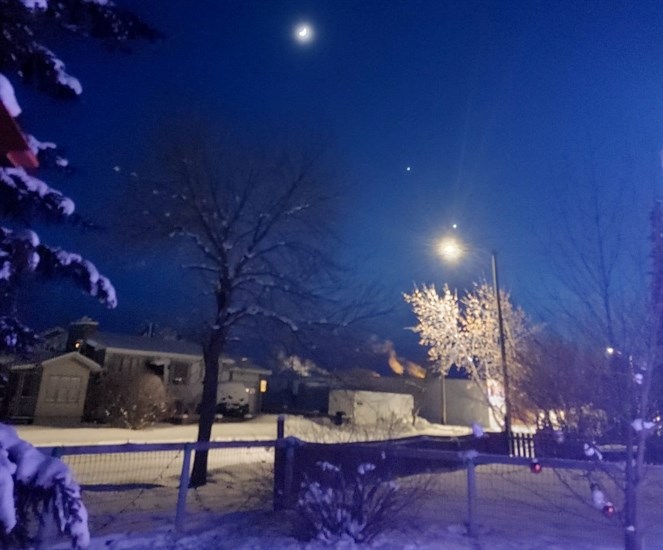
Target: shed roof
x,y
72,356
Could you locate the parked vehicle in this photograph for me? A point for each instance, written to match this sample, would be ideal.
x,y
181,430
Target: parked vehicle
x,y
233,400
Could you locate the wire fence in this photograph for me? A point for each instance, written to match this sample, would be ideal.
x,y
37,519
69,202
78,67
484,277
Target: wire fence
x,y
139,487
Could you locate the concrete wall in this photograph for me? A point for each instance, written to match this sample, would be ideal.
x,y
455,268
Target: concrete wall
x,y
466,404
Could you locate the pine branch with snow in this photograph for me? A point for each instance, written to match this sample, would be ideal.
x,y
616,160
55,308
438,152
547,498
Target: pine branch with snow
x,y
15,336
35,486
23,196
24,23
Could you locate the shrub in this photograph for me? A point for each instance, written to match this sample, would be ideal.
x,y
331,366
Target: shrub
x,y
135,400
337,504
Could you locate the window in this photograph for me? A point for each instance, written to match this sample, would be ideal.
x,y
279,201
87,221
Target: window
x,y
30,385
179,373
63,389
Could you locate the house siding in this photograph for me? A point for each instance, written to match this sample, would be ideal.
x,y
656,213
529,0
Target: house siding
x,y
62,393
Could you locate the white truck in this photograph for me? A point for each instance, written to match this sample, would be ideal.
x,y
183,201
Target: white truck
x,y
233,400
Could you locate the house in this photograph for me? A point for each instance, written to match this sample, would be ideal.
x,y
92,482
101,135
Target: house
x,y
179,363
50,389
52,339
53,386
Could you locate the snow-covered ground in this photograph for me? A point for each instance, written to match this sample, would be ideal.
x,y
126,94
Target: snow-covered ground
x,y
132,497
259,531
261,428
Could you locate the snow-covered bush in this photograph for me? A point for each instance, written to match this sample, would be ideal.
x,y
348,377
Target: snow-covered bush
x,y
358,504
134,400
36,490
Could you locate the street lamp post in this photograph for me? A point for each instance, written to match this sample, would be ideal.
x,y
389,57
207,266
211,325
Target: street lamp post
x,y
500,323
451,249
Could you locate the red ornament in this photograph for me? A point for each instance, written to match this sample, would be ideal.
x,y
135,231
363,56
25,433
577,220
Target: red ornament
x,y
535,467
608,510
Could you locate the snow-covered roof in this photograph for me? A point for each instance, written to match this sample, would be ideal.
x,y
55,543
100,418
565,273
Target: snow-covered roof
x,y
23,362
130,342
58,358
244,364
160,347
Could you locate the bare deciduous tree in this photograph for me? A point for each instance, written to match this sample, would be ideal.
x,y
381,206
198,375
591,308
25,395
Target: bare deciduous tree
x,y
609,314
256,225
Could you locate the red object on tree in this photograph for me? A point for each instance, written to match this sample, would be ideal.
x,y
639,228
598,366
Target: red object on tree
x,y
608,510
535,467
13,145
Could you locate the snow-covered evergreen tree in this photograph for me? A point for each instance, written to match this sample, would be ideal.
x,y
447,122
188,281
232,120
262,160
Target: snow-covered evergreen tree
x,y
23,196
24,22
36,489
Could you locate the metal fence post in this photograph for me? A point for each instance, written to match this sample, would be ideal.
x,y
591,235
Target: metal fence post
x,y
471,499
280,426
279,465
180,514
289,469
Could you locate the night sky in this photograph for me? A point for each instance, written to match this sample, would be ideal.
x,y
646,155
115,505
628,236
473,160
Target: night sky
x,y
498,108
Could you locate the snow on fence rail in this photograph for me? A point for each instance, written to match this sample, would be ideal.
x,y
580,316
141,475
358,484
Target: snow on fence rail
x,y
134,487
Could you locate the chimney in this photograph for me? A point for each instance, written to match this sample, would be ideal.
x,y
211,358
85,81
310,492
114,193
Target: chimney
x,y
79,331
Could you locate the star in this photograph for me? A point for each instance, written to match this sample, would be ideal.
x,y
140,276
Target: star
x,y
408,168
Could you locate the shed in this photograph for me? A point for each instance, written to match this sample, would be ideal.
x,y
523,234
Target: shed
x,y
466,404
368,407
50,391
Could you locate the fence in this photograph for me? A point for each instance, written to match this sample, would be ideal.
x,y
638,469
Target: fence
x,y
555,444
136,487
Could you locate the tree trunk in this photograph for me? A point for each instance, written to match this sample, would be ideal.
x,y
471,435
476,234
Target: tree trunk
x,y
207,405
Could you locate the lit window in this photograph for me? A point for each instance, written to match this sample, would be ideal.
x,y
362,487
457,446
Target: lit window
x,y
263,386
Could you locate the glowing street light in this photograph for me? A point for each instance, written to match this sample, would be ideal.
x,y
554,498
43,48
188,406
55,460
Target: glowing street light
x,y
451,250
